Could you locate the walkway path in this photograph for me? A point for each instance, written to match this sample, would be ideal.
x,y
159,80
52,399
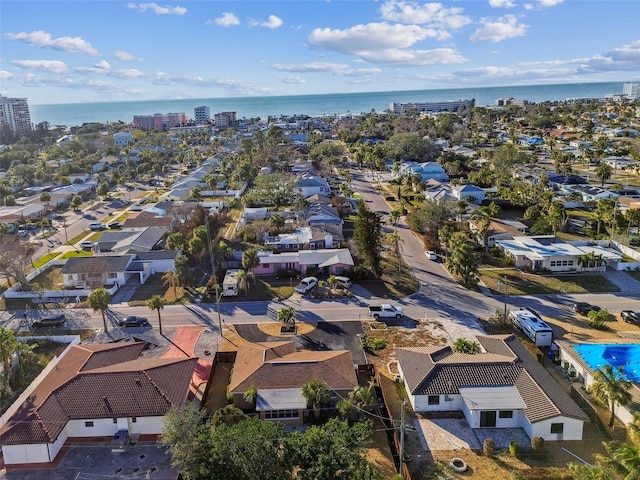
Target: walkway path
x,y
183,346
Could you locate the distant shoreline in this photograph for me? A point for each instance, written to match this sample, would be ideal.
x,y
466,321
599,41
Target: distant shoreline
x,y
317,104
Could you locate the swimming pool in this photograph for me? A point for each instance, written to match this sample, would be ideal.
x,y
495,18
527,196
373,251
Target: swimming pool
x,y
615,354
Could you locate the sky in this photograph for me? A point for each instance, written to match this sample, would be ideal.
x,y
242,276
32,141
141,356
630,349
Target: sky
x,y
107,50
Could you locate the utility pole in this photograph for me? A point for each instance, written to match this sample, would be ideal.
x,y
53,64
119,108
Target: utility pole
x,y
506,295
402,436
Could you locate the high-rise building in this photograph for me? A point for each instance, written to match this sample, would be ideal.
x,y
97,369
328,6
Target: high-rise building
x,y
202,114
631,89
225,119
433,107
15,113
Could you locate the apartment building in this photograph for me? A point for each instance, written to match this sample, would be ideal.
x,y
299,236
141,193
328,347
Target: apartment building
x,y
159,121
14,112
225,119
432,107
202,114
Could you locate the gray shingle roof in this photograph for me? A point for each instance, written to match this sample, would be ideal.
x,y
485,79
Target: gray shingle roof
x,y
439,371
105,263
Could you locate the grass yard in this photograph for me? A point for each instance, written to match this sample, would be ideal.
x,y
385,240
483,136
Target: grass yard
x,y
521,283
50,279
392,283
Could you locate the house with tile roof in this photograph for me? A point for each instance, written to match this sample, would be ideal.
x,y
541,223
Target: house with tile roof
x,y
278,372
503,387
94,391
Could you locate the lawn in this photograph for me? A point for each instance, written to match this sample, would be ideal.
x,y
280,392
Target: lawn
x,y
521,283
392,283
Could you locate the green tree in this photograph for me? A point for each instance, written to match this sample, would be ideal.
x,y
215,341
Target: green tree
x,y
462,345
181,428
250,259
251,395
229,415
45,197
182,270
243,282
360,400
611,387
316,393
99,300
463,260
598,318
157,303
287,315
366,237
9,347
175,241
76,202
604,172
484,215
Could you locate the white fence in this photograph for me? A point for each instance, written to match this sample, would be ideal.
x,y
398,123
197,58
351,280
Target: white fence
x,y
72,339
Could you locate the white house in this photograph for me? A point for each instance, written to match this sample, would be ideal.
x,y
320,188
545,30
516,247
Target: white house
x,y
503,387
545,252
468,192
426,170
94,391
121,139
311,184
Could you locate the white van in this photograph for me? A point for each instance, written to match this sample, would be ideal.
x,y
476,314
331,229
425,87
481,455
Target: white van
x,y
343,282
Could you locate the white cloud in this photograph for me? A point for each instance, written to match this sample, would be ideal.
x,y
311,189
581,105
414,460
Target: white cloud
x,y
369,37
409,58
53,66
501,3
157,9
337,69
4,75
273,22
292,79
500,29
542,4
125,56
227,19
625,58
43,39
433,14
104,68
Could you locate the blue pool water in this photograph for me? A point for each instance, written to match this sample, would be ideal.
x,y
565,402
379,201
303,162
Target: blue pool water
x,y
615,354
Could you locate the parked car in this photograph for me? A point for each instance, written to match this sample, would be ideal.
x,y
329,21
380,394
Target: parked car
x,y
630,316
343,282
431,255
86,245
385,310
306,284
583,308
51,320
96,226
115,225
133,321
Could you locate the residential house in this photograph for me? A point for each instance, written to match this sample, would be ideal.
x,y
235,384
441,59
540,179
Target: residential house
x,y
23,213
122,139
94,391
131,240
109,270
323,213
468,192
311,184
328,261
426,170
498,230
503,387
546,252
278,372
309,237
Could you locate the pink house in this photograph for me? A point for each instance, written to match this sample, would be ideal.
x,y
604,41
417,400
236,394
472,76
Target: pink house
x,y
330,261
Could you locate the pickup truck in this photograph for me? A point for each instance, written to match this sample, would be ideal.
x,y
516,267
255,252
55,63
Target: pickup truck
x,y
385,311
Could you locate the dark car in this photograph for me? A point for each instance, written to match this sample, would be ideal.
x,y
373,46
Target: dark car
x,y
583,308
51,320
115,225
133,321
630,316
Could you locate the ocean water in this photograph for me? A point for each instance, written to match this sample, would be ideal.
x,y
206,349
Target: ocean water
x,y
252,107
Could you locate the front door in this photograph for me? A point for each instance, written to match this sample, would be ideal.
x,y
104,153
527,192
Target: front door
x,y
488,419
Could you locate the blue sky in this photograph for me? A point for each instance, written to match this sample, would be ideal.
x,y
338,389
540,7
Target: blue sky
x,y
86,51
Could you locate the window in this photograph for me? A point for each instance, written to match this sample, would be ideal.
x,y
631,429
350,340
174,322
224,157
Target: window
x,y
113,275
134,419
88,424
115,420
557,427
280,414
505,414
434,399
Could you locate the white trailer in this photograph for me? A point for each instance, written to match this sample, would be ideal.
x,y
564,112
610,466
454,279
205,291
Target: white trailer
x,y
231,283
533,327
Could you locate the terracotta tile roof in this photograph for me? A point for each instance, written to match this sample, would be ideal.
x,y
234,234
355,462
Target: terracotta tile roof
x,y
439,371
273,365
98,381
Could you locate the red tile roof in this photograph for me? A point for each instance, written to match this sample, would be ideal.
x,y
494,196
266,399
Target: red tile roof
x,y
98,381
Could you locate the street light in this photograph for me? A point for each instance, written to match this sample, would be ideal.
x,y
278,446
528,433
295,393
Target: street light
x,y
218,293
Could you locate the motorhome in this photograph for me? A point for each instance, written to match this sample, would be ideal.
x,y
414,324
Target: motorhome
x,y
231,283
533,327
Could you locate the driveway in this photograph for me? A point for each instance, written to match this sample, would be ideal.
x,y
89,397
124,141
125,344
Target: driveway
x,y
326,336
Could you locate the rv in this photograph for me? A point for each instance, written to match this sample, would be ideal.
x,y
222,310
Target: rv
x,y
231,283
533,327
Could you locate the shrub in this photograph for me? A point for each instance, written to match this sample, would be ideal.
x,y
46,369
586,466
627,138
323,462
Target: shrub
x,y
287,273
488,447
372,345
537,444
514,449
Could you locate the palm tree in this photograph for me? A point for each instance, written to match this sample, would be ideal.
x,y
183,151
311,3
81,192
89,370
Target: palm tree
x,y
250,259
604,172
243,281
484,215
361,399
611,387
316,392
394,217
332,281
463,260
287,315
251,395
623,459
633,428
171,280
99,300
157,302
